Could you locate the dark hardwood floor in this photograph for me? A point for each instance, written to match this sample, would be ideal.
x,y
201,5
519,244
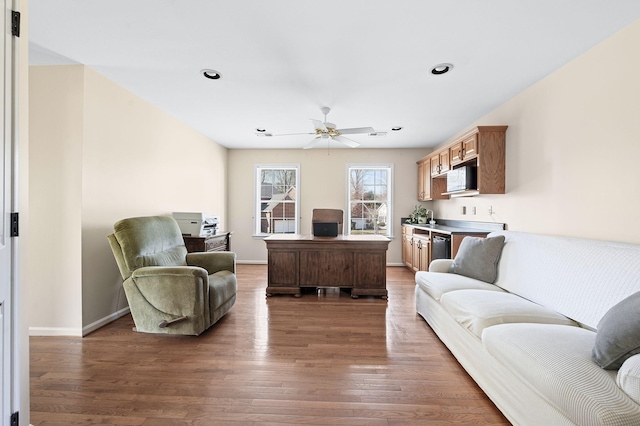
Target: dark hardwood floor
x,y
323,358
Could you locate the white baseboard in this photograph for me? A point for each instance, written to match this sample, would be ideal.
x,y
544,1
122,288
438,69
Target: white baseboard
x,y
55,331
77,332
104,321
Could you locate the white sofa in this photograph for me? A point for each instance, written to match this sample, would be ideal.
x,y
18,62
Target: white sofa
x,y
527,339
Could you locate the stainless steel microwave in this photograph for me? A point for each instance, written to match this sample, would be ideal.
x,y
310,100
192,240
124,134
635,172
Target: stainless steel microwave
x,y
462,179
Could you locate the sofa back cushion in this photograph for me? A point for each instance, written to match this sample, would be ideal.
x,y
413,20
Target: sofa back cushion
x,y
579,278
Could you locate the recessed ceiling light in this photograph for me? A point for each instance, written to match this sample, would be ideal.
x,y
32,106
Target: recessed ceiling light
x,y
441,69
397,128
378,134
211,74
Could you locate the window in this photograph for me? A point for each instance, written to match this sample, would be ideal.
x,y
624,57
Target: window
x,y
276,195
370,206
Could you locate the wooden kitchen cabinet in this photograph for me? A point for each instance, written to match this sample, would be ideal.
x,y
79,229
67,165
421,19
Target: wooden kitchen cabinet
x,y
407,246
440,163
415,249
416,245
421,252
483,147
424,179
465,150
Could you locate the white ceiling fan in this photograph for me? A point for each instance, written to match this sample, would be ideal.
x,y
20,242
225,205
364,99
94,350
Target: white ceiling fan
x,y
324,131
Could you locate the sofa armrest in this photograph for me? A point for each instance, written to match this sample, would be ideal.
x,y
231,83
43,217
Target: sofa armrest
x,y
213,261
440,265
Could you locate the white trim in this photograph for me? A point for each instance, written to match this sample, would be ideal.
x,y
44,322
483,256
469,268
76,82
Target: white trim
x,y
390,189
256,188
78,332
104,321
251,262
55,331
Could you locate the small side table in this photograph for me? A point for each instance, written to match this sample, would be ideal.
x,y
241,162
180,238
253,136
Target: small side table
x,y
221,241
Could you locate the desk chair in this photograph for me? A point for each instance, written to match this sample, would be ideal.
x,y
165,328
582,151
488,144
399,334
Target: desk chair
x,y
328,215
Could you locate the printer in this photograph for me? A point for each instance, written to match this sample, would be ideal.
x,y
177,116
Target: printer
x,y
197,224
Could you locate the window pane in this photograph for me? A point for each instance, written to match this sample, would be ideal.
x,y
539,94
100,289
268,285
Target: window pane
x,y
369,200
277,200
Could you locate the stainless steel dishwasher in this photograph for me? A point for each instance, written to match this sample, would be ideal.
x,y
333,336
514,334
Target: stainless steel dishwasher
x,y
441,247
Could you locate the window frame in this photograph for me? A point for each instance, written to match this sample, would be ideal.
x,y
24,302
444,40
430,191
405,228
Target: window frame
x,y
257,198
372,166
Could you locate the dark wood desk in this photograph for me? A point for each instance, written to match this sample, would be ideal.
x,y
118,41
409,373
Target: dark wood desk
x,y
358,262
221,241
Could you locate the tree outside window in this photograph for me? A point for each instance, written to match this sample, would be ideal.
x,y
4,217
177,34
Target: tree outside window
x,y
370,199
277,199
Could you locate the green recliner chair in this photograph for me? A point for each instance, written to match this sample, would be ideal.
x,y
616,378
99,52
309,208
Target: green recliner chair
x,y
169,290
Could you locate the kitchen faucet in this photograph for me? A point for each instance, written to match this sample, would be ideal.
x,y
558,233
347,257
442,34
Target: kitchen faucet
x,y
428,215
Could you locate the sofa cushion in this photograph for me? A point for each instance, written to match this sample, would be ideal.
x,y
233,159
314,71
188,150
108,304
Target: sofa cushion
x,y
479,309
556,361
553,271
478,258
435,284
618,336
629,377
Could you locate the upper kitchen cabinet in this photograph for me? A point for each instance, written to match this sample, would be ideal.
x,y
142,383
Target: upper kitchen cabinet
x,y
465,150
482,147
440,163
424,180
490,158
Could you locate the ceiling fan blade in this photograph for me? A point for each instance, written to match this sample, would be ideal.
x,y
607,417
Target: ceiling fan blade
x,y
313,143
319,125
293,134
348,142
355,130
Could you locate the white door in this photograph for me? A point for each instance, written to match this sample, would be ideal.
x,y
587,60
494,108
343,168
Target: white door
x,y
8,243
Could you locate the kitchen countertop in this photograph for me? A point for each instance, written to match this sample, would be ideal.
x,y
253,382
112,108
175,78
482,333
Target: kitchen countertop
x,y
453,227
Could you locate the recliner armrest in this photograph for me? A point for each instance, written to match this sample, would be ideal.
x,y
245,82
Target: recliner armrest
x,y
213,261
151,271
175,291
440,265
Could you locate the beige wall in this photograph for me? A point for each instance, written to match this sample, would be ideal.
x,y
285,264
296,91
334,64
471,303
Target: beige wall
x,y
573,147
101,154
323,183
55,193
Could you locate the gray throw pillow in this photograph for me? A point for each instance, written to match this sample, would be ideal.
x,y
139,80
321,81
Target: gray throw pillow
x,y
618,334
478,258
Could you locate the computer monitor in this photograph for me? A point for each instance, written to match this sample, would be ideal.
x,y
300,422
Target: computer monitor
x,y
325,229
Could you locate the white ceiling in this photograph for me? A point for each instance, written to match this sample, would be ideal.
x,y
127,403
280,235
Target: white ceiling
x,y
281,60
